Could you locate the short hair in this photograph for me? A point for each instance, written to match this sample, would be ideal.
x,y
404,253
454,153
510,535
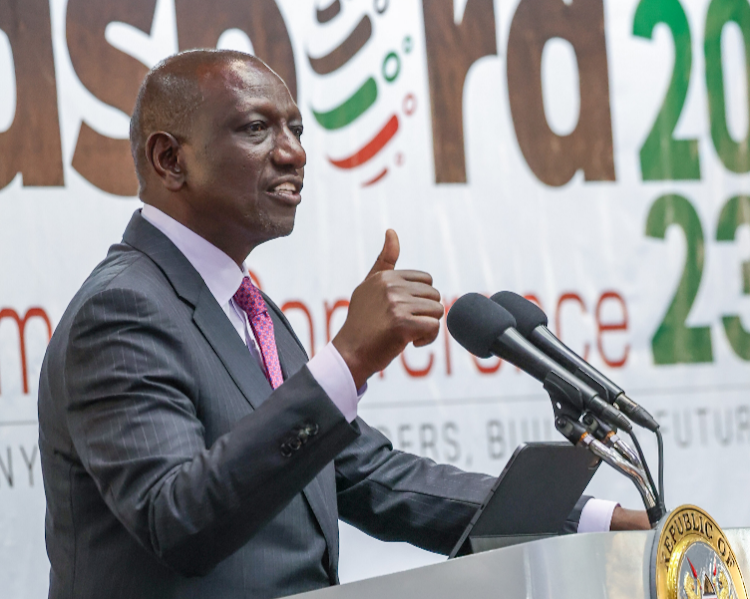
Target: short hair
x,y
169,97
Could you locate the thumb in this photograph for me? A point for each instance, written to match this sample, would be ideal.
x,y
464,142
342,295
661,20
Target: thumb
x,y
388,255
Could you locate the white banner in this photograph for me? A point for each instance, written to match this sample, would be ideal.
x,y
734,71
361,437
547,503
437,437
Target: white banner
x,y
590,154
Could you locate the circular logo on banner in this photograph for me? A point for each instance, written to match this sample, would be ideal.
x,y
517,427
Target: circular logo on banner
x,y
693,559
364,155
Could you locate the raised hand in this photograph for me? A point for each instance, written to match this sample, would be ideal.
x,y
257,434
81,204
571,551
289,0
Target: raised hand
x,y
388,310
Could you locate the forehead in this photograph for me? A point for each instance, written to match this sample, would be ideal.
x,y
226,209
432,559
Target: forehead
x,y
234,89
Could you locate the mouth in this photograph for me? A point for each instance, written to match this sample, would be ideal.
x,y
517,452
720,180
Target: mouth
x,y
287,192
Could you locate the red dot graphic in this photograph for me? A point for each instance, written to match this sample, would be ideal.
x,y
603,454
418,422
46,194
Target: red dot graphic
x,y
409,104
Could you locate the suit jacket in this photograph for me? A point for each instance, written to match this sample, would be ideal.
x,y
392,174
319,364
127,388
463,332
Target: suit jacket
x,y
172,469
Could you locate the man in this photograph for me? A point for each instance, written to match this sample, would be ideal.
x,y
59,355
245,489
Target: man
x,y
189,449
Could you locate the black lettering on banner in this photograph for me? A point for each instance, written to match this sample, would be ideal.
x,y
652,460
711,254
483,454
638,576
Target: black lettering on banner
x,y
404,443
7,468
29,461
449,430
743,423
683,430
428,441
701,413
384,430
495,440
723,427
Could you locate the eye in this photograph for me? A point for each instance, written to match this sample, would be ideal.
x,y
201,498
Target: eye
x,y
297,130
255,127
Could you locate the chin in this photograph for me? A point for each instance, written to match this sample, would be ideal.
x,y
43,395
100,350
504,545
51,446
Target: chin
x,y
276,228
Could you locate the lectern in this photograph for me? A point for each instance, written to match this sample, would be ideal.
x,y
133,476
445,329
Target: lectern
x,y
614,565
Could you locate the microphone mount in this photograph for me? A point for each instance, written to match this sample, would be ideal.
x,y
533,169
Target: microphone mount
x,y
578,435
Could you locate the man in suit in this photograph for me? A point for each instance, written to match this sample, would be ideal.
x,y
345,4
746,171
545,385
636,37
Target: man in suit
x,y
189,449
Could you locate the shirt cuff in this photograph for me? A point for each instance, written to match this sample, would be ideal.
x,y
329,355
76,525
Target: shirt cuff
x,y
596,515
331,372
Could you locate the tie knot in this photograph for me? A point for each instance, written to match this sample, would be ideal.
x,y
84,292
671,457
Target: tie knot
x,y
249,298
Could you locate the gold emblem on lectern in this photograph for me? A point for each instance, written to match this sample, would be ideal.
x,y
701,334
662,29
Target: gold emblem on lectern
x,y
694,559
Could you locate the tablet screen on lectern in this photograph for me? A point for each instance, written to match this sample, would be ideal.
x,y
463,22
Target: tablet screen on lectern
x,y
534,494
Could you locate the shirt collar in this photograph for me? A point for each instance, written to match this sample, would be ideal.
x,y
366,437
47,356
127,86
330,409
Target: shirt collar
x,y
220,273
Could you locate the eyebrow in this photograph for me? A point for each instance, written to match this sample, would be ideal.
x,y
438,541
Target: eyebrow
x,y
266,107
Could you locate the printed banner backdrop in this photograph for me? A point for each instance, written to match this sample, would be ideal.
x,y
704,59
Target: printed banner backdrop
x,y
590,154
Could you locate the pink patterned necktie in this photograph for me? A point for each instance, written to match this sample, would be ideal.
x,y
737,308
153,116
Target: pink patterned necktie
x,y
249,298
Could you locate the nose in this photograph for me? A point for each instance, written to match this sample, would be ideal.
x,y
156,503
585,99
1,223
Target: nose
x,y
289,150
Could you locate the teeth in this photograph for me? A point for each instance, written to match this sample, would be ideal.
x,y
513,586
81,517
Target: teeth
x,y
286,187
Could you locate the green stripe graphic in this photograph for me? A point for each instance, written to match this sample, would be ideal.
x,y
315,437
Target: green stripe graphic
x,y
351,109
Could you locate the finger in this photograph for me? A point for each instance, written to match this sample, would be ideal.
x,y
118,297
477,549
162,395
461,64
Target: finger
x,y
430,328
422,290
425,307
388,255
416,276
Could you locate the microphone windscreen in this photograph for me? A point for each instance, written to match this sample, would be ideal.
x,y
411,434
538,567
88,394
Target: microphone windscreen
x,y
527,314
476,322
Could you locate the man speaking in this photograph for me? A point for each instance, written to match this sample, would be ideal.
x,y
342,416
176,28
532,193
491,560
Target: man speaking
x,y
189,448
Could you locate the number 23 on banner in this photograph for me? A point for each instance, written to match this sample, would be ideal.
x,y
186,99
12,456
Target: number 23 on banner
x,y
674,342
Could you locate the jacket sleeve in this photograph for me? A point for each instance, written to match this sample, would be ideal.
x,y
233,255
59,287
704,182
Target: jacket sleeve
x,y
571,522
130,390
396,496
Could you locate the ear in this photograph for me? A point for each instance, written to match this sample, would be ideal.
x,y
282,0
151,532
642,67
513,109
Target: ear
x,y
164,154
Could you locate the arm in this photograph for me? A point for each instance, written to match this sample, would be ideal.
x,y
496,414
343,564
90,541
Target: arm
x,y
396,496
131,392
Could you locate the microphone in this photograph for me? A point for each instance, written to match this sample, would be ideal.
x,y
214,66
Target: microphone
x,y
485,328
531,322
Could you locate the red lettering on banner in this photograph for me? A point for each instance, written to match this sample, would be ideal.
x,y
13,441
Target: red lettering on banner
x,y
570,297
298,305
417,372
254,278
35,312
330,310
533,298
491,369
611,326
446,336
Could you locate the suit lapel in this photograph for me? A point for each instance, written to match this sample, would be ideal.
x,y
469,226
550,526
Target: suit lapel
x,y
208,315
233,353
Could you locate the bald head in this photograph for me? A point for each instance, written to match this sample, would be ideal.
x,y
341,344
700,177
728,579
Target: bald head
x,y
172,94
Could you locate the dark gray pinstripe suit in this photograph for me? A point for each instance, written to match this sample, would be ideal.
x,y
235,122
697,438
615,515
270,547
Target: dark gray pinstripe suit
x,y
161,445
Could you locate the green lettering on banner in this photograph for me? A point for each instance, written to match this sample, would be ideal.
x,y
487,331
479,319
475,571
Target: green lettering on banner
x,y
674,342
736,212
662,156
734,155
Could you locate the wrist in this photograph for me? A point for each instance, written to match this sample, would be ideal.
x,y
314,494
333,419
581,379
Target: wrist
x,y
357,370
